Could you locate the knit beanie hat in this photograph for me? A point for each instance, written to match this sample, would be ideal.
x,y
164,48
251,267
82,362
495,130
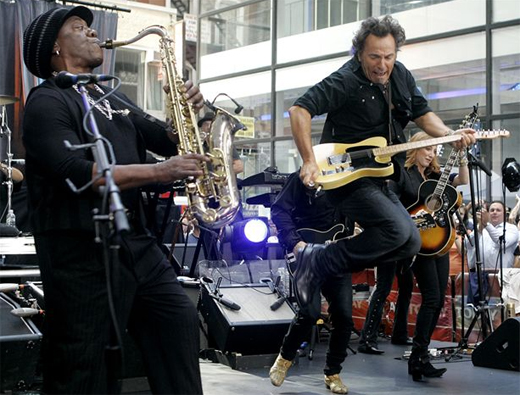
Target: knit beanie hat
x,y
39,37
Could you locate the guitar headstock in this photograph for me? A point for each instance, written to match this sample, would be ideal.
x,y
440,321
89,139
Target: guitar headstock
x,y
471,119
492,134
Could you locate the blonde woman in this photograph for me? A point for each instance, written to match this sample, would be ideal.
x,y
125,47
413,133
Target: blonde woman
x,y
431,272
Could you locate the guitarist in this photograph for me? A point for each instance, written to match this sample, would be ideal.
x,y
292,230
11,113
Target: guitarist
x,y
372,95
296,207
431,272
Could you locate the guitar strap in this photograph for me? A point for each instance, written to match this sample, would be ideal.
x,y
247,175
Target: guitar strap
x,y
388,96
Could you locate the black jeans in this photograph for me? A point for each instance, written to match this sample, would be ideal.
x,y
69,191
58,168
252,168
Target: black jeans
x,y
385,279
338,292
389,234
432,277
148,300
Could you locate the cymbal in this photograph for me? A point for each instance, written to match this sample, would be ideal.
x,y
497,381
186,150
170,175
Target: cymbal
x,y
4,99
17,174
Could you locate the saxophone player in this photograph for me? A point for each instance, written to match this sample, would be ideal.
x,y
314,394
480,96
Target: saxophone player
x,y
147,298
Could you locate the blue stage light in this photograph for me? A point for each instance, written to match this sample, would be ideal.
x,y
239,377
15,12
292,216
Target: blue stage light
x,y
256,230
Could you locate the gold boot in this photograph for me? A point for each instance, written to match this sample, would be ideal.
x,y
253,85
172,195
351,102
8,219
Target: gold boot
x,y
279,370
335,384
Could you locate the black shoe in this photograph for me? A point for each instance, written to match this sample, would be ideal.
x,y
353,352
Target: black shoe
x,y
307,281
367,349
417,369
402,342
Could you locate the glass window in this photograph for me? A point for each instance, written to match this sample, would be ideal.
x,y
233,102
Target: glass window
x,y
257,158
154,92
253,93
211,5
452,80
393,6
286,156
293,82
506,70
129,67
236,28
300,16
505,10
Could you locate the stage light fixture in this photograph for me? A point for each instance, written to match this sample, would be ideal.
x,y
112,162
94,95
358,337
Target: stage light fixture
x,y
256,230
247,238
511,174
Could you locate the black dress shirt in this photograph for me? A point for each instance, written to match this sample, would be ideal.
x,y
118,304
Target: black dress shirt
x,y
357,108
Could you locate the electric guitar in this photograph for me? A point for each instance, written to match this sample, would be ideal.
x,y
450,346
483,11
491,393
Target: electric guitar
x,y
310,235
422,220
341,164
440,200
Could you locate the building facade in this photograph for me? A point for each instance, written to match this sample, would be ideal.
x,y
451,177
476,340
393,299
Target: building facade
x,y
266,53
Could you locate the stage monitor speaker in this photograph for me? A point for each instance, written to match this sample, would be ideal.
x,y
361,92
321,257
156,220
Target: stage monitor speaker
x,y
20,342
501,349
254,329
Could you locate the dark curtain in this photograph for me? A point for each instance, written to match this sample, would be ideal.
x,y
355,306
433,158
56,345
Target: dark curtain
x,y
16,81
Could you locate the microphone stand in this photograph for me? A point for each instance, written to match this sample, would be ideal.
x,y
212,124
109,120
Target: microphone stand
x,y
117,217
462,231
481,310
501,252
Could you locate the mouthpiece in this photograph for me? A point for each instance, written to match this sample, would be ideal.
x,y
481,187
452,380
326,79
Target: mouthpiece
x,y
107,44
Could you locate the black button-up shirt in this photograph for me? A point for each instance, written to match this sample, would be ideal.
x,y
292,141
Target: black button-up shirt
x,y
357,108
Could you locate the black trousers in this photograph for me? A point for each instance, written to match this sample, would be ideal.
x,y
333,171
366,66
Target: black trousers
x,y
432,275
149,301
384,281
389,234
338,292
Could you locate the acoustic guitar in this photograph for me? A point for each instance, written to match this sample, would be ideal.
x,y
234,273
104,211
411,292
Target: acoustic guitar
x,y
440,200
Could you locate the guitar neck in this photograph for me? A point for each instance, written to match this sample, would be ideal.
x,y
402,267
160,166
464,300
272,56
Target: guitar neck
x,y
395,149
445,175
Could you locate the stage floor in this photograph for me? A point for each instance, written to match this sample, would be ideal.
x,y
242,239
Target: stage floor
x,y
363,374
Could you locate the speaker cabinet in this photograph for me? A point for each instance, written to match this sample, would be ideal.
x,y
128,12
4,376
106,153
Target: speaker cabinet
x,y
501,349
254,329
20,342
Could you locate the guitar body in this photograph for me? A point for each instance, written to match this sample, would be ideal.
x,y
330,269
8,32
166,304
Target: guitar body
x,y
310,235
438,239
337,169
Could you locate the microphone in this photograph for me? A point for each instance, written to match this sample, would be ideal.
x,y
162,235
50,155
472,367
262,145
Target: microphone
x,y
65,80
238,108
25,312
479,163
279,302
228,303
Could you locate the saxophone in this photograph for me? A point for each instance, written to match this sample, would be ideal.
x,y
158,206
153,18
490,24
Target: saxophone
x,y
213,198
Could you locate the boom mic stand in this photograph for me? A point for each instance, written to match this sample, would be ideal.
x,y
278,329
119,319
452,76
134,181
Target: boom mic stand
x,y
501,251
481,310
463,232
116,217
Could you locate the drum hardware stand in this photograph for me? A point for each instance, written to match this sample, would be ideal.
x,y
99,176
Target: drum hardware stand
x,y
10,219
